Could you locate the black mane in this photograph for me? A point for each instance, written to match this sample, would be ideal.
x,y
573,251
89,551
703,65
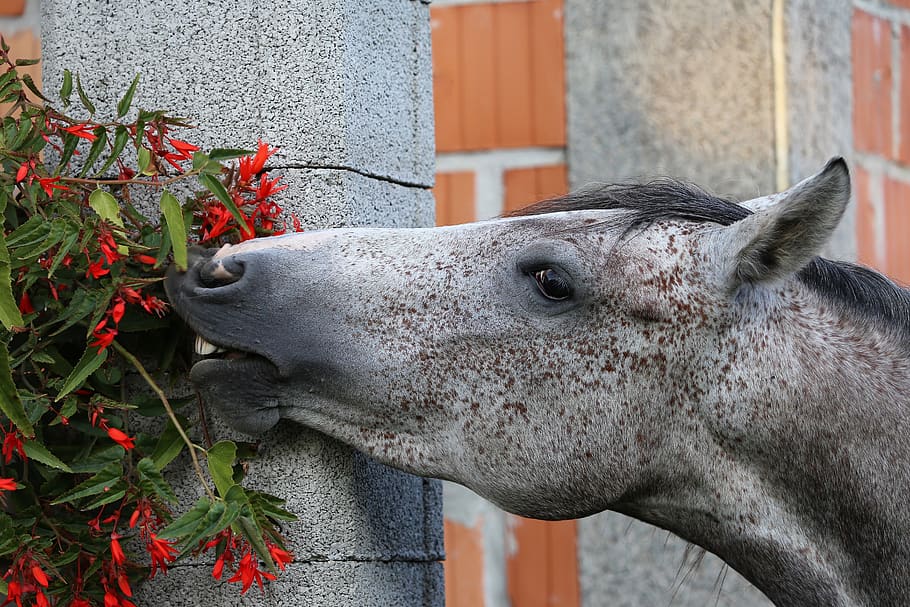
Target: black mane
x,y
860,290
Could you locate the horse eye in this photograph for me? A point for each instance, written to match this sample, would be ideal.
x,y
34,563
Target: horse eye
x,y
552,285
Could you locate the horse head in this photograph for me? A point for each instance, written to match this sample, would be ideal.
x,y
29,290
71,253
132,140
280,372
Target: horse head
x,y
649,349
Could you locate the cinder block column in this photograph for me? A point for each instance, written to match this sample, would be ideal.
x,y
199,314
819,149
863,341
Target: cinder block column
x,y
344,87
739,97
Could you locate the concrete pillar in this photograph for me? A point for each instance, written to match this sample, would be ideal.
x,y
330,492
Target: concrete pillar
x,y
344,87
743,98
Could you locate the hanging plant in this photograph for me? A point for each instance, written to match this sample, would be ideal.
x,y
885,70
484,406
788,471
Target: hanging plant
x,y
83,309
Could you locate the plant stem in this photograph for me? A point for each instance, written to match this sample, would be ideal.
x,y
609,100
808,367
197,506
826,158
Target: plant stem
x,y
170,412
159,184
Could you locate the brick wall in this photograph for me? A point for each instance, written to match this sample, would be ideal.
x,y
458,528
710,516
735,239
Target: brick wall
x,y
19,28
499,87
881,131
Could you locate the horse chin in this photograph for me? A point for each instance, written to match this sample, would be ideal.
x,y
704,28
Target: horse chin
x,y
242,390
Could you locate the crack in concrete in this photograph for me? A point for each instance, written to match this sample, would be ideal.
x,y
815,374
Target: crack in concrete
x,y
334,167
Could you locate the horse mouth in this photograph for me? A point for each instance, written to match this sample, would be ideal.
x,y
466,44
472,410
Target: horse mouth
x,y
211,359
241,385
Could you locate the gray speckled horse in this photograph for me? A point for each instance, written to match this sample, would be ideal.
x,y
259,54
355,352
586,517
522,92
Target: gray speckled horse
x,y
647,349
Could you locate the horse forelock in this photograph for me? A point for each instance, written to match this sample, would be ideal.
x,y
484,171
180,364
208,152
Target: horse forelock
x,y
866,294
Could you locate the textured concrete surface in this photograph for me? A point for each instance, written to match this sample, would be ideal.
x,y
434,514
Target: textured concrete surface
x,y
687,89
671,88
312,584
820,97
335,83
344,88
626,563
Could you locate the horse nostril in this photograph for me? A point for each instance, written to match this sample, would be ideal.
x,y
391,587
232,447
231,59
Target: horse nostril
x,y
220,272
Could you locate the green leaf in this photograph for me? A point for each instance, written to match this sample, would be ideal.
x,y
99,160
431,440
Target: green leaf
x,y
83,97
94,152
111,494
27,79
219,154
106,206
9,311
70,143
149,473
169,446
68,242
88,364
67,89
9,542
121,137
253,534
269,506
20,62
173,216
145,161
10,403
220,458
106,478
187,523
217,188
124,106
219,517
38,452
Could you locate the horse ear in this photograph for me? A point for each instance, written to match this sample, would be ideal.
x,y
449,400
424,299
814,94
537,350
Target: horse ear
x,y
782,237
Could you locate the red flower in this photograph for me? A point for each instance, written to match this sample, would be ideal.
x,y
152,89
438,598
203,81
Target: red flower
x,y
108,247
153,305
146,259
96,269
268,187
25,304
41,599
78,601
184,149
8,484
297,226
12,444
22,172
81,130
104,335
130,295
248,572
14,593
162,552
116,551
279,555
39,575
49,184
120,437
250,166
117,310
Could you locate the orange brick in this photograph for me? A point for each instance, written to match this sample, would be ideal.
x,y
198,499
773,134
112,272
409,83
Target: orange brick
x,y
478,77
11,8
548,88
524,186
866,233
901,3
446,38
463,566
513,75
543,569
897,226
872,78
499,77
903,153
454,194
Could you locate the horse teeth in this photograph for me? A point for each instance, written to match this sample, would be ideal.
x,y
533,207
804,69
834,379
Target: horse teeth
x,y
204,348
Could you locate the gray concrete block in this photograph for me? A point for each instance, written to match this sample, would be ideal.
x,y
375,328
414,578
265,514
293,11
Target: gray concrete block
x,y
317,584
671,88
626,563
335,83
820,98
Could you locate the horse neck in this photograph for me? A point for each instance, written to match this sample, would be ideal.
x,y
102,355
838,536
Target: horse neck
x,y
811,470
